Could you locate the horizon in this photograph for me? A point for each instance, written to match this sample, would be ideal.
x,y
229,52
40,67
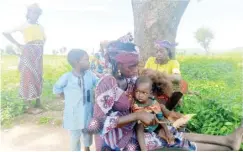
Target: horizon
x,y
83,24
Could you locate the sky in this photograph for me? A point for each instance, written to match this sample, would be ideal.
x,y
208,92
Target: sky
x,y
84,23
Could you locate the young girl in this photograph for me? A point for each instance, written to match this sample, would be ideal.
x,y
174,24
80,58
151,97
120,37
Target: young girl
x,y
77,88
144,102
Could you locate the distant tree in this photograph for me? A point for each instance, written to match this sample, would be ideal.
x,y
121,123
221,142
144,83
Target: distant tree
x,y
54,52
63,50
204,37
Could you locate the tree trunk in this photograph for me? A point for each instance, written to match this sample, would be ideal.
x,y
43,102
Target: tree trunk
x,y
156,20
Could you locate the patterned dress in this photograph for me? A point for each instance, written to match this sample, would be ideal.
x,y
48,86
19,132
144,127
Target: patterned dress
x,y
31,60
31,70
112,103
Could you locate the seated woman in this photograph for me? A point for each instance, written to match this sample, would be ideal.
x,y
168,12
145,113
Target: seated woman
x,y
114,124
163,62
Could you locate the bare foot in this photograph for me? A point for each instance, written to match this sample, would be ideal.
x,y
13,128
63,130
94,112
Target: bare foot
x,y
34,111
236,138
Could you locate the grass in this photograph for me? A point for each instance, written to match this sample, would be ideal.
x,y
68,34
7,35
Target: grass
x,y
45,120
217,78
219,81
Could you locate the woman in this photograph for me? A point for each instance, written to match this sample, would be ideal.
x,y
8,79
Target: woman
x,y
113,122
31,58
163,62
98,64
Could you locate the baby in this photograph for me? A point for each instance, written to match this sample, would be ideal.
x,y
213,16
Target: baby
x,y
144,102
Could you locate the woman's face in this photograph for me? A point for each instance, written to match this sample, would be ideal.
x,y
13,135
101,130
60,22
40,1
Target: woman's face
x,y
128,70
161,54
33,16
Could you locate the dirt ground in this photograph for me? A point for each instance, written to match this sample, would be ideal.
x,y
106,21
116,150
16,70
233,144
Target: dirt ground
x,y
28,134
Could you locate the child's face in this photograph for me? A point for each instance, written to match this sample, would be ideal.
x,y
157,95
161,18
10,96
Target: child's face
x,y
142,92
83,63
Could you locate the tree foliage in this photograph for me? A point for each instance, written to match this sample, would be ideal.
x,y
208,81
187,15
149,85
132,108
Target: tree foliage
x,y
204,37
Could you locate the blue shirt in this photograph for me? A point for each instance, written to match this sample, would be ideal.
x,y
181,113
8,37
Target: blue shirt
x,y
78,109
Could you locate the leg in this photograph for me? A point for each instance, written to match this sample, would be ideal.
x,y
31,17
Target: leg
x,y
211,147
38,103
87,141
75,140
233,140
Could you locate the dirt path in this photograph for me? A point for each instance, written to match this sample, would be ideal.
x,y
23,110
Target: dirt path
x,y
36,137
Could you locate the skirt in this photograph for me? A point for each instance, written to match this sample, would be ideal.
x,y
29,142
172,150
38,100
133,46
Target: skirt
x,y
31,71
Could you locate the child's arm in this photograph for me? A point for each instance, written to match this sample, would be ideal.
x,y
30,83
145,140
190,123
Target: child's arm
x,y
59,86
168,135
140,136
61,95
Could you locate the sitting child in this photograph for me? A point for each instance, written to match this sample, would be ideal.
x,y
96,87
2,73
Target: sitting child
x,y
163,92
144,102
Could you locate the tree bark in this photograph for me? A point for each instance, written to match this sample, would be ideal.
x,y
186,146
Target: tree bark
x,y
156,20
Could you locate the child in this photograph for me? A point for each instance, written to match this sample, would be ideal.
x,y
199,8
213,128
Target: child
x,y
77,89
143,101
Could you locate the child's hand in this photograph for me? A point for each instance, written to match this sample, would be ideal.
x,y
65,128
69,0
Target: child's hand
x,y
170,139
60,95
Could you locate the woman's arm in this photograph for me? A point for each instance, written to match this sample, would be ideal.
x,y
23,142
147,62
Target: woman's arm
x,y
145,117
175,71
140,136
165,111
12,40
176,78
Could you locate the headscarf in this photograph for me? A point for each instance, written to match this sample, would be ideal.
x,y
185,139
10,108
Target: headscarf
x,y
34,8
123,50
164,44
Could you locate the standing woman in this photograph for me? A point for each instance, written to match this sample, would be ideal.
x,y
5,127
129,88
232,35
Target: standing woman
x,y
31,59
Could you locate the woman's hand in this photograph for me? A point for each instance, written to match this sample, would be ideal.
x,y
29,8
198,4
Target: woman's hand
x,y
146,118
21,47
149,72
173,116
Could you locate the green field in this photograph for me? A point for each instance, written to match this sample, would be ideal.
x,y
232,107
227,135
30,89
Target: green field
x,y
218,109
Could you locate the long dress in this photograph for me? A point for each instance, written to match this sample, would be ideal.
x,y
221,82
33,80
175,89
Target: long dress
x,y
112,103
31,60
31,71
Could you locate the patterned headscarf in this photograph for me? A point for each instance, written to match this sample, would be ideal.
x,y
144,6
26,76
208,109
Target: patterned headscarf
x,y
164,44
123,50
